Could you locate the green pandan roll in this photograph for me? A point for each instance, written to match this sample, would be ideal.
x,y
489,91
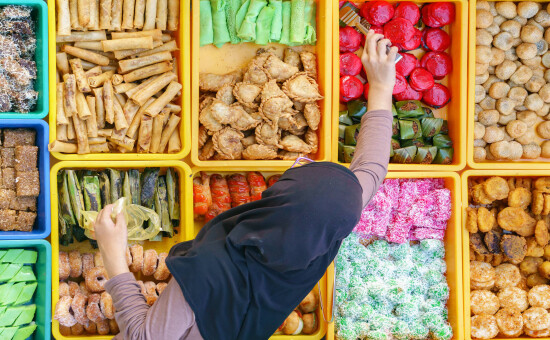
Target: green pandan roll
x,y
219,22
285,32
241,13
310,20
247,31
297,21
277,22
231,10
263,25
206,31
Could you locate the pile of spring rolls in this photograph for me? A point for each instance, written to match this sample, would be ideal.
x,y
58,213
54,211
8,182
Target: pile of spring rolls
x,y
117,82
289,23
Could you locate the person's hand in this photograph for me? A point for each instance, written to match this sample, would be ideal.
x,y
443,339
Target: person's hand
x,y
379,65
112,239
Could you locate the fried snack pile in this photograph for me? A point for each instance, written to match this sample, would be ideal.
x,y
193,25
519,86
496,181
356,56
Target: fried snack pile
x,y
512,81
303,319
510,256
117,82
407,210
85,307
386,290
19,179
214,194
269,112
17,65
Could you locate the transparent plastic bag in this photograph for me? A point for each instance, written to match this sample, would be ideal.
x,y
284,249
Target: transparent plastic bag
x,y
135,216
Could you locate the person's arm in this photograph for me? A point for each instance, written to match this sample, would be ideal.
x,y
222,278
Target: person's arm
x,y
370,161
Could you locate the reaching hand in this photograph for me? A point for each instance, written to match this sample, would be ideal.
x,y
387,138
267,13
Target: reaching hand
x,y
112,239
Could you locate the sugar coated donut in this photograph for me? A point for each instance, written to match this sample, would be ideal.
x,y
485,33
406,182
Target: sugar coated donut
x,y
83,289
78,306
150,288
87,262
64,330
113,326
98,260
150,258
151,299
64,267
137,258
128,257
162,273
103,327
77,329
91,329
95,279
75,263
161,286
93,311
63,289
106,305
63,312
73,288
141,286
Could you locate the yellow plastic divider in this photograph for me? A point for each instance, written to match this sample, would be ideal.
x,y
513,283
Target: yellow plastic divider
x,y
183,67
184,231
453,253
466,175
454,112
233,56
527,164
267,172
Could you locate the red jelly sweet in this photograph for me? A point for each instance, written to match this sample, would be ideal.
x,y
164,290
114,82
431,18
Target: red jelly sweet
x,y
350,39
399,30
407,64
350,88
413,43
350,64
409,11
436,39
400,84
438,14
439,64
408,94
377,12
437,97
421,80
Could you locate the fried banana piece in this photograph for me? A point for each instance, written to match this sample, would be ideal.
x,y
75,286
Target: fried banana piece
x,y
514,247
541,233
214,82
543,184
471,220
496,188
519,197
485,219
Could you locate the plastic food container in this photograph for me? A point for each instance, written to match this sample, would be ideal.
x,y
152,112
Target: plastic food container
x,y
184,231
268,171
184,67
212,59
42,270
453,254
466,236
537,164
40,17
454,112
42,224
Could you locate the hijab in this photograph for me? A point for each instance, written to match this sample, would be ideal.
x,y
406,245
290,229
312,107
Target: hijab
x,y
251,266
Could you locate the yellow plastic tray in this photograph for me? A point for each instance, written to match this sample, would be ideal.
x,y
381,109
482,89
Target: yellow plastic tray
x,y
454,112
539,163
185,231
453,253
184,69
466,237
231,57
269,171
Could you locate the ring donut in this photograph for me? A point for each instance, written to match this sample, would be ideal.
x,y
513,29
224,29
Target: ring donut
x,y
128,256
150,258
64,267
162,273
103,327
73,288
64,330
106,305
161,286
91,329
93,311
137,258
75,263
83,289
98,260
96,279
113,326
63,312
141,286
77,329
78,305
150,288
63,289
87,262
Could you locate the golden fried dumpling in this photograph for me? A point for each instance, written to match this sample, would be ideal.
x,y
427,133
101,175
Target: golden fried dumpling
x,y
248,141
271,89
278,69
207,119
268,134
295,144
245,121
205,101
213,82
289,156
295,124
203,136
247,93
223,112
309,60
312,140
272,109
207,151
227,143
292,57
259,151
302,88
225,94
312,113
256,73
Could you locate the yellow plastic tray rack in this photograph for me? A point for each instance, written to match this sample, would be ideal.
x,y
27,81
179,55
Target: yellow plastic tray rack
x,y
454,112
185,231
230,57
453,254
184,69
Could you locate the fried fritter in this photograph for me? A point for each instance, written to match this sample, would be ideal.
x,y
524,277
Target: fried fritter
x,y
530,265
533,248
481,271
538,202
536,318
517,220
543,184
484,326
513,298
539,296
509,320
485,219
544,270
207,151
514,247
496,188
479,196
483,302
519,197
471,220
492,241
476,243
507,275
546,205
541,233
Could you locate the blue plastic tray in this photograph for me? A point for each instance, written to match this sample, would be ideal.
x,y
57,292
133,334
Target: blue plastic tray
x,y
42,225
43,295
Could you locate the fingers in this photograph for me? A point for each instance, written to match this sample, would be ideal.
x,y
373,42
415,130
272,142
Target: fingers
x,y
372,42
383,45
393,54
121,221
105,213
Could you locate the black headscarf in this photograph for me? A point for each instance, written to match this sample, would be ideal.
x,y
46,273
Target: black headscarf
x,y
251,266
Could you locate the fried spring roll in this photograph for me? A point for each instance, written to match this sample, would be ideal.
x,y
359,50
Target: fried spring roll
x,y
60,146
84,12
169,47
105,132
174,143
121,99
105,7
158,125
126,143
94,71
116,15
81,134
137,119
139,14
94,15
63,18
145,132
119,134
62,63
73,9
148,71
89,45
133,64
97,140
141,86
82,106
86,65
70,130
162,16
175,69
117,79
108,102
82,36
91,123
61,133
156,34
78,71
155,86
127,44
60,118
166,37
98,80
130,109
90,56
99,107
124,87
128,14
159,103
173,16
168,131
150,14
120,120
99,148
69,95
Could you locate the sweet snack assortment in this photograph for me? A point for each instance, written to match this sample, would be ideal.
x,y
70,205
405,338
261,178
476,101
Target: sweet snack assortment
x,y
303,320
